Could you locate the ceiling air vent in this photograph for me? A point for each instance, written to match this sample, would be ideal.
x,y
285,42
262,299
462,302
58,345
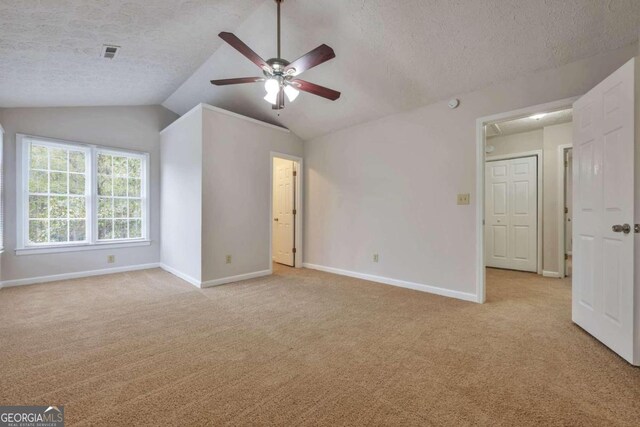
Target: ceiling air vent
x,y
109,51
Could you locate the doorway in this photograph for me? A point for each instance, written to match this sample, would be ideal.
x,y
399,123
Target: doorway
x,y
286,239
534,133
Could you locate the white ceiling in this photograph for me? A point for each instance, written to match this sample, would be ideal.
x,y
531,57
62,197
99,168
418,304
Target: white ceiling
x,y
528,124
49,49
391,55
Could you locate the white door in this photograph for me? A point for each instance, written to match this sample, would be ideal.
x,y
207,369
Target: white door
x,y
603,197
283,206
511,230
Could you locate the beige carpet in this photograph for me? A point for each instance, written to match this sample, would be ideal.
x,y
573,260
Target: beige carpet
x,y
307,348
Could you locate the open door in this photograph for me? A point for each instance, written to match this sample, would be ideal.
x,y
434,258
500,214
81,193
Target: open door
x,y
603,205
284,210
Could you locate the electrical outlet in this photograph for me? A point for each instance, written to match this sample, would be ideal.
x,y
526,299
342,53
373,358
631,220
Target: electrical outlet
x,y
111,259
376,258
228,259
464,198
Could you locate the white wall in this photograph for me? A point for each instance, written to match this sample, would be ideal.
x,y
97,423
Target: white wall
x,y
236,192
181,202
516,143
553,137
389,186
134,128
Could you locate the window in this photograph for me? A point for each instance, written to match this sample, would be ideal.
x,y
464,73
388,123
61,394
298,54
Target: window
x,y
77,195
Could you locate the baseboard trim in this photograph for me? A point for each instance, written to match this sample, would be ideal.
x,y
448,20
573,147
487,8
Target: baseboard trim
x,y
195,282
395,282
215,282
238,278
554,274
76,275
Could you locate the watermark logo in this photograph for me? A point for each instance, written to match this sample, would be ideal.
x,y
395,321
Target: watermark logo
x,y
31,416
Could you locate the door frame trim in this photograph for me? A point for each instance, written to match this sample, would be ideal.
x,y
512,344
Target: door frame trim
x,y
539,154
562,200
299,206
480,160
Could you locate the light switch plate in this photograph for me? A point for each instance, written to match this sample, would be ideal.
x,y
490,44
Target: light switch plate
x,y
464,198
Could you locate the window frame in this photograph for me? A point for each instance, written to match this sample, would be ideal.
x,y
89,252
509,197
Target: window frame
x,y
23,247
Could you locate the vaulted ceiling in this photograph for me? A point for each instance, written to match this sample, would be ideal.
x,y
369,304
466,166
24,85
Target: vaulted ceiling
x,y
391,55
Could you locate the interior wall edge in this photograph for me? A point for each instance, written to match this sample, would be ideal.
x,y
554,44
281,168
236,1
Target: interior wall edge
x,y
179,274
233,279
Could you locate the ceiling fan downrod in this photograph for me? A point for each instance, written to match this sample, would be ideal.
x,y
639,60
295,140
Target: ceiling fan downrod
x,y
278,2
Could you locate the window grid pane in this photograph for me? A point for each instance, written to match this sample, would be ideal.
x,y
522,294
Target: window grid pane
x,y
119,197
49,205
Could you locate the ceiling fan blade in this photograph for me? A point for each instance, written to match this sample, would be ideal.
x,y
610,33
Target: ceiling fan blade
x,y
317,56
239,45
279,105
224,82
316,89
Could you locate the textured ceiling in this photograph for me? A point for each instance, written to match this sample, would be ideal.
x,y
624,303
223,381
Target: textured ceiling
x,y
397,55
527,124
391,55
49,49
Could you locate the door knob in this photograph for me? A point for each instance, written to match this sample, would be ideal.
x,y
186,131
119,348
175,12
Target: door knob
x,y
625,228
275,219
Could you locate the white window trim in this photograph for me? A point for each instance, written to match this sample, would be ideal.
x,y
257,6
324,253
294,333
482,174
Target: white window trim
x,y
92,242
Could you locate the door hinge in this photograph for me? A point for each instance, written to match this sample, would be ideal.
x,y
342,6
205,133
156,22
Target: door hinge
x,y
566,257
293,250
566,163
295,173
566,210
295,211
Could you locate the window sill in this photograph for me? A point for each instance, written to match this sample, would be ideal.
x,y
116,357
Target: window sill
x,y
79,248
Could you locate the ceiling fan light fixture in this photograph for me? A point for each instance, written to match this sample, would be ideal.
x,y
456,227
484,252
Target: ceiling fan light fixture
x,y
271,97
272,86
292,92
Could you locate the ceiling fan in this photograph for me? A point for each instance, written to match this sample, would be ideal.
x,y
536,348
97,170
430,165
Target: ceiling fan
x,y
280,74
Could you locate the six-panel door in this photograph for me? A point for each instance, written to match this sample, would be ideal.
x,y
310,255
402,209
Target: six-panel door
x,y
511,214
603,172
